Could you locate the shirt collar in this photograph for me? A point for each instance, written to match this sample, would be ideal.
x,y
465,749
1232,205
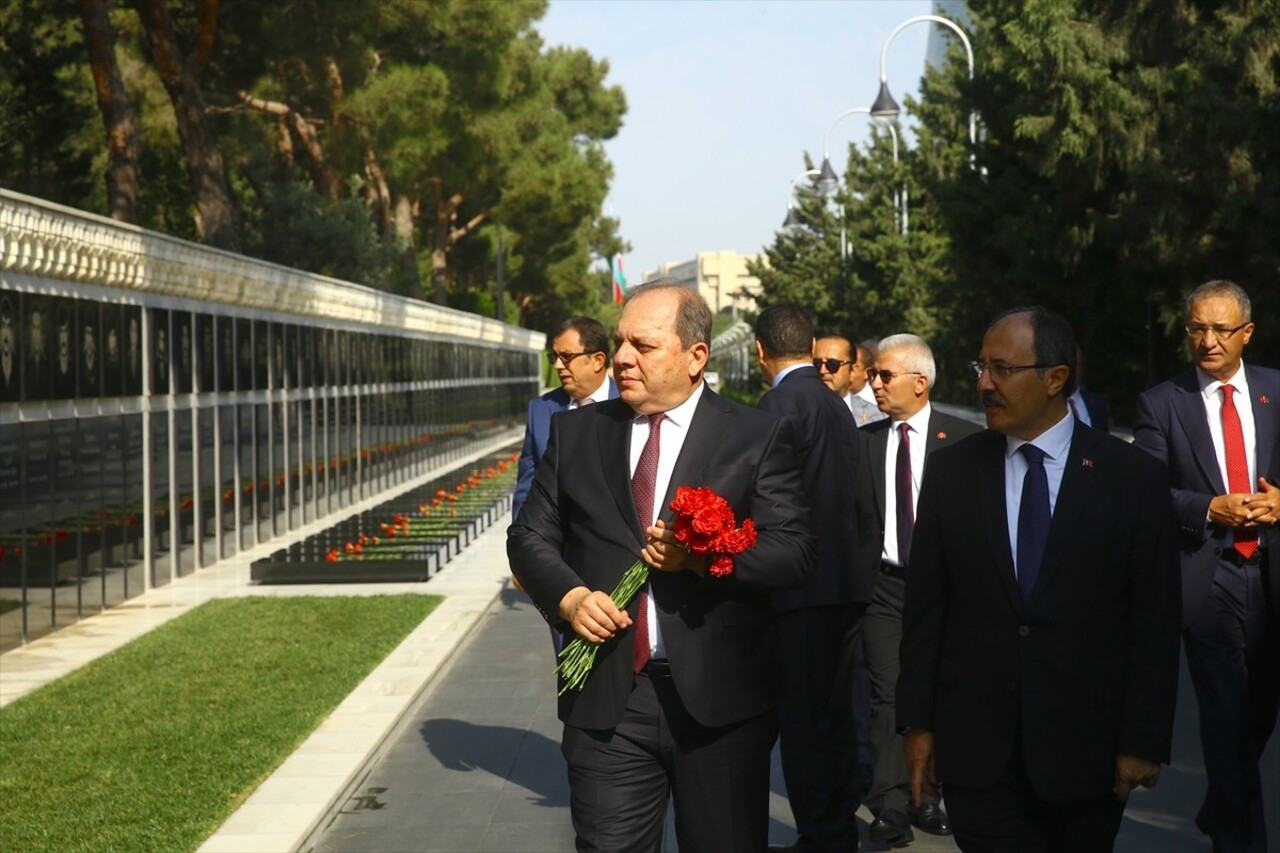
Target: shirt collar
x,y
1055,441
600,394
1209,386
682,414
918,422
787,370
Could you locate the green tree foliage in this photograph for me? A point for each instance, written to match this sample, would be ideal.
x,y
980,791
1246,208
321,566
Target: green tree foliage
x,y
1127,155
1127,152
447,123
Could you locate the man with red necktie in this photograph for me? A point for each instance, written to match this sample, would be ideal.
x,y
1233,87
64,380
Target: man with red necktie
x,y
1217,427
680,704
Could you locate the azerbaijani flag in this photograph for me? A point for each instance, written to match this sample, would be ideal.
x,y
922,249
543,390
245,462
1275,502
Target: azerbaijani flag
x,y
619,279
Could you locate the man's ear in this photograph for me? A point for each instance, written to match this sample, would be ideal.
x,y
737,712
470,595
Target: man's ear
x,y
1056,378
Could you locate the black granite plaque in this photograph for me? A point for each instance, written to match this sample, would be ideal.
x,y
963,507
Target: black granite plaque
x,y
206,364
306,356
277,355
10,484
66,501
291,371
66,341
160,351
132,350
37,346
37,475
183,352
244,355
10,347
261,355
225,335
88,474
89,355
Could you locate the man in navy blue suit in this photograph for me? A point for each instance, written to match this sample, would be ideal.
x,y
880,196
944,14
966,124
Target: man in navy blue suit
x,y
580,355
818,623
1217,428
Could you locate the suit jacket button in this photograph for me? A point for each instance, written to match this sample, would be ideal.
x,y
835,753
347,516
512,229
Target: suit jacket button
x,y
1024,631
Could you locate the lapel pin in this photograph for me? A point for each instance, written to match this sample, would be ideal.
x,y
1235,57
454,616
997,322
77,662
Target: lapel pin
x,y
1088,463
941,435
1264,399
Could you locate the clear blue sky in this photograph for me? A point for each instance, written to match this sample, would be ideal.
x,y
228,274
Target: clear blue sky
x,y
724,98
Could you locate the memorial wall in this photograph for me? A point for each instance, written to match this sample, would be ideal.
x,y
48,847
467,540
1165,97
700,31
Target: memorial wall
x,y
164,405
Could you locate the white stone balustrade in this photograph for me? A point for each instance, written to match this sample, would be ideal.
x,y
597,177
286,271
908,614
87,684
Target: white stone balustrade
x,y
48,241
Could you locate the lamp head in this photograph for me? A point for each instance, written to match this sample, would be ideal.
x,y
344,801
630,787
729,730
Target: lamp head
x,y
885,109
828,180
792,223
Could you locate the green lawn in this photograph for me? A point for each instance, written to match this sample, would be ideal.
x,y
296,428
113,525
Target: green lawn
x,y
7,604
153,746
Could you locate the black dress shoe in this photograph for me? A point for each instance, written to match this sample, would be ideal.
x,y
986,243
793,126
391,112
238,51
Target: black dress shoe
x,y
892,829
929,818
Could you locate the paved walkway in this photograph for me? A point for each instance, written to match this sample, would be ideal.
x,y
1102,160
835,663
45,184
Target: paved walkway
x,y
451,744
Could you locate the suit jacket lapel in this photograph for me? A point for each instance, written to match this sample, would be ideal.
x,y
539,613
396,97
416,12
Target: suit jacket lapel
x,y
994,514
878,447
1266,420
613,432
705,428
1188,406
1073,495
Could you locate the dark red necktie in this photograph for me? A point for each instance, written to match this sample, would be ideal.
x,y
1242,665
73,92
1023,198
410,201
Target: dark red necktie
x,y
643,483
902,494
1246,539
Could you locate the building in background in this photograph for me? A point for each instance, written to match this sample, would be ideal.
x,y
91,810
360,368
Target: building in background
x,y
720,277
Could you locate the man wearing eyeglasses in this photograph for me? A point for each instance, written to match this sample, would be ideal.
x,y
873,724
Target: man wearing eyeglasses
x,y
1039,655
894,452
579,354
1217,428
846,374
818,623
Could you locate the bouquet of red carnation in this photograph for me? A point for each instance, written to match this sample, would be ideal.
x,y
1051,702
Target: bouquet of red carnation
x,y
705,524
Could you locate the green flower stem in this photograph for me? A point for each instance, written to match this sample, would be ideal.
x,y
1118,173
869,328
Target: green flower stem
x,y
578,655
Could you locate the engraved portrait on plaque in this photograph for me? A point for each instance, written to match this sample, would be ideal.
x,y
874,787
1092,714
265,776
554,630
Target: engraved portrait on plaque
x,y
160,352
182,357
90,368
35,377
9,380
132,350
65,339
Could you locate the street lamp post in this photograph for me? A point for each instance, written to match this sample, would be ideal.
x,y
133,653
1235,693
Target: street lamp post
x,y
886,110
828,180
792,223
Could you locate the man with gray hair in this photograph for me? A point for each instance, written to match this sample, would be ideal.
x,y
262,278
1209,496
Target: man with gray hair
x,y
894,453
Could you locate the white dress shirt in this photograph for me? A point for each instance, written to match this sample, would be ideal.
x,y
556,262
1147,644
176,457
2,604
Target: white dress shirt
x,y
1076,404
918,427
597,396
671,437
1209,390
1055,442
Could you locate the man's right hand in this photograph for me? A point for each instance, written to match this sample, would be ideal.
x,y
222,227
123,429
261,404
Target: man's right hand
x,y
1238,510
917,748
592,614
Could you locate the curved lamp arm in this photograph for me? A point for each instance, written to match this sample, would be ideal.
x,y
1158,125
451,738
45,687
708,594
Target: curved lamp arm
x,y
792,221
884,54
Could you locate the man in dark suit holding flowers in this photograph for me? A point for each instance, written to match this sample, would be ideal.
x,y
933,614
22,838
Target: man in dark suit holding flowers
x,y
681,700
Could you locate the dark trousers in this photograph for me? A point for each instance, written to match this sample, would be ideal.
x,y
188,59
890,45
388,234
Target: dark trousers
x,y
881,634
1233,652
1010,818
815,717
621,779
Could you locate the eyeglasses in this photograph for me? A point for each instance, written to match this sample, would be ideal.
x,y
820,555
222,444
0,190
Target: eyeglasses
x,y
1196,331
831,364
1001,372
886,376
566,357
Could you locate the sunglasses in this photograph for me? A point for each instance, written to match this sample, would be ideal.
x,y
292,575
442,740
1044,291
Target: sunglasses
x,y
831,364
886,376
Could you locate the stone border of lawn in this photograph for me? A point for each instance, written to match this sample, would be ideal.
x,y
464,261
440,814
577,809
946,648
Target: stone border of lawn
x,y
285,810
